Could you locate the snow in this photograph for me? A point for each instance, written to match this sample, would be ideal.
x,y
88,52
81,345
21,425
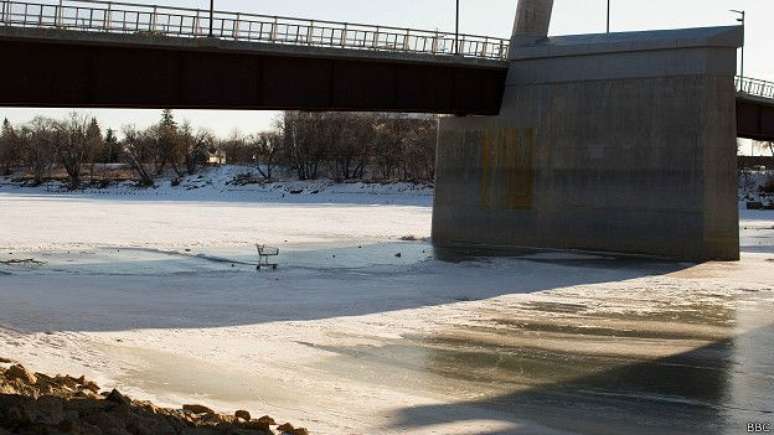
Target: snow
x,y
152,291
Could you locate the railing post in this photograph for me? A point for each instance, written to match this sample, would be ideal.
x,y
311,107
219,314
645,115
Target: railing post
x,y
274,29
196,24
344,35
235,29
309,32
434,45
376,38
406,45
3,20
108,16
153,20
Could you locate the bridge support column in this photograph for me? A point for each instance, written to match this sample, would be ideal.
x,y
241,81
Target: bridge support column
x,y
622,143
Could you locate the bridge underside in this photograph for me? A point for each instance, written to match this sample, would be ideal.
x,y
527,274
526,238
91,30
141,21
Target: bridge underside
x,y
50,68
755,118
71,69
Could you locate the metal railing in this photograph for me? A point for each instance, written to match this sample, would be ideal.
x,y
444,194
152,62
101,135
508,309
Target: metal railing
x,y
130,18
755,87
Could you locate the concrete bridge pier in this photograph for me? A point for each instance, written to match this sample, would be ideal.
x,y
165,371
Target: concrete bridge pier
x,y
623,143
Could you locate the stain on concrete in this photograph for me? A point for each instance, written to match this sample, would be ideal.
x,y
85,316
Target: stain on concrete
x,y
507,164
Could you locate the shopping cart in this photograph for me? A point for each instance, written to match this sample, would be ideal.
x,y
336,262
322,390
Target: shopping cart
x,y
264,252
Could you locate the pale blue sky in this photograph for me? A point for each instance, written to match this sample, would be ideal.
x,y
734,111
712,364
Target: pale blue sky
x,y
486,17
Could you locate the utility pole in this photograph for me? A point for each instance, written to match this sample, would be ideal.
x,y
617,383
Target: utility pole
x,y
741,19
212,14
608,16
457,30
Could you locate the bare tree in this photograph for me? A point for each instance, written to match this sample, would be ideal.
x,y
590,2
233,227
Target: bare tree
x,y
388,146
237,147
73,147
38,146
350,148
139,147
194,147
267,146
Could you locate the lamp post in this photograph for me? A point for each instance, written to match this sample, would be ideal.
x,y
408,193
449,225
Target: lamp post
x,y
212,14
742,16
608,16
457,30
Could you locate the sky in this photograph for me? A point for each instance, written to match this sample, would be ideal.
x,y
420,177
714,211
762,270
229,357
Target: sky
x,y
483,17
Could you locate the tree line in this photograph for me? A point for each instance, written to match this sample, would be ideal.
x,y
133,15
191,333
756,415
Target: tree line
x,y
307,145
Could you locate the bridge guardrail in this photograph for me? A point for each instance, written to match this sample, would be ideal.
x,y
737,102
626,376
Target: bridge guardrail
x,y
128,18
755,87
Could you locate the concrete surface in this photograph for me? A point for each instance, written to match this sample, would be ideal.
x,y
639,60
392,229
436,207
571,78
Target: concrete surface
x,y
621,142
532,20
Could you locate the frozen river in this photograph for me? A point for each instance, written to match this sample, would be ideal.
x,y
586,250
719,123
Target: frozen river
x,y
159,298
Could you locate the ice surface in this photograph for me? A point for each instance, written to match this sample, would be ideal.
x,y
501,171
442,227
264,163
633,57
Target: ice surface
x,y
153,292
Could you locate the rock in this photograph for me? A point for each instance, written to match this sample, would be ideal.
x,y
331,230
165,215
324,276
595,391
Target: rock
x,y
257,425
66,381
212,418
43,378
118,398
48,410
244,415
91,386
6,360
300,431
285,428
198,409
267,420
16,371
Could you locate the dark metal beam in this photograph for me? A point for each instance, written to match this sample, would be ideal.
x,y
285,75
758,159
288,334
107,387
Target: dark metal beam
x,y
76,74
755,119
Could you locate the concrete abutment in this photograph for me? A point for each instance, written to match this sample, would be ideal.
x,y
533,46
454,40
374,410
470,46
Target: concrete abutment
x,y
619,143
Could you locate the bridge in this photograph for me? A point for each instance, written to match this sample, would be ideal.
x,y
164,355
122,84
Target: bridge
x,y
123,55
127,55
622,142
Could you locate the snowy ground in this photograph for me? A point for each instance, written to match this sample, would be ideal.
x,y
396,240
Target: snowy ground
x,y
152,292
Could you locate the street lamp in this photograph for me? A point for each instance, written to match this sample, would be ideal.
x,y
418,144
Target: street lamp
x,y
212,13
742,16
457,30
608,16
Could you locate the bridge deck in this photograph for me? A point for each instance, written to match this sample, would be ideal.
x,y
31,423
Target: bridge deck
x,y
131,18
92,53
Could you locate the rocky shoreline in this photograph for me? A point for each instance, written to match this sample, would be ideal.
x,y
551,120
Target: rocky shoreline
x,y
36,403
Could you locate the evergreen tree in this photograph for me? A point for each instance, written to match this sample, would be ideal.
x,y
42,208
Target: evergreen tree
x,y
111,149
168,119
9,149
168,144
94,145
